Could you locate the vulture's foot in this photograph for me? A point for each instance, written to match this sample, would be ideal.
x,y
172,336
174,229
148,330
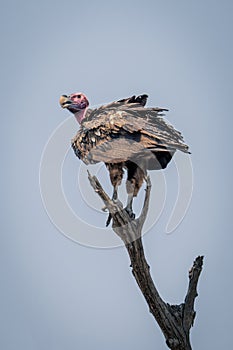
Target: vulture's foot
x,y
116,202
130,212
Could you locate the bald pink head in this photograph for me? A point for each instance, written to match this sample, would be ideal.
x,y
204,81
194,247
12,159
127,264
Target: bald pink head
x,y
76,103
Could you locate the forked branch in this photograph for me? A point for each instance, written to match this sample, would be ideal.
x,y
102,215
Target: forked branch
x,y
175,321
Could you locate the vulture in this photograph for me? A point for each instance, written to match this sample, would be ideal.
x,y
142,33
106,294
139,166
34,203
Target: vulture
x,y
125,135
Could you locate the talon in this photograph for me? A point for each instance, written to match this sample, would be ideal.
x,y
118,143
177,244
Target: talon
x,y
130,213
104,208
132,216
108,220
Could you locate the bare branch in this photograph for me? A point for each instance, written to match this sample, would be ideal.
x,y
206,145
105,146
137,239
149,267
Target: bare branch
x,y
175,321
145,208
189,313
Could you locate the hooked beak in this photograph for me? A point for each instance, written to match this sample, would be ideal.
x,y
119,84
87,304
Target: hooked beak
x,y
65,101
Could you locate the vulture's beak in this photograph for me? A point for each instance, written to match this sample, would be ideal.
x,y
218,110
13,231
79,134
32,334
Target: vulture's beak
x,y
65,101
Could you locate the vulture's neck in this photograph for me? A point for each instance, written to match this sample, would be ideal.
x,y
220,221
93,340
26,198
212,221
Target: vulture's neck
x,y
80,115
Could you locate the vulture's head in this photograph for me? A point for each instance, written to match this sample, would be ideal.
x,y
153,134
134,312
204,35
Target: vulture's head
x,y
76,103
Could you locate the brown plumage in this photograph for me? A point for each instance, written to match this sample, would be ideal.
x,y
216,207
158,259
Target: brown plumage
x,y
124,135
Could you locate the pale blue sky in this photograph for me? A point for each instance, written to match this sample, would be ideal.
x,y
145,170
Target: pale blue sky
x,y
57,294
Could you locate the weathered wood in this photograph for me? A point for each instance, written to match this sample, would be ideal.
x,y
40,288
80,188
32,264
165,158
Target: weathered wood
x,y
175,321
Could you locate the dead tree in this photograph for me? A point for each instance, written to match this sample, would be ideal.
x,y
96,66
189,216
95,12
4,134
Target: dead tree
x,y
175,321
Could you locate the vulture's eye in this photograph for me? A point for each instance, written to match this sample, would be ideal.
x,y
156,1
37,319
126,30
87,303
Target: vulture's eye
x,y
79,96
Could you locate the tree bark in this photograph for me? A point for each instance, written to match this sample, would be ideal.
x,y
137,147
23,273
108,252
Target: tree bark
x,y
175,321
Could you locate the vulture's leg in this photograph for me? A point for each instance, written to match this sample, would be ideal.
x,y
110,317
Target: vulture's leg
x,y
129,206
133,184
115,193
116,173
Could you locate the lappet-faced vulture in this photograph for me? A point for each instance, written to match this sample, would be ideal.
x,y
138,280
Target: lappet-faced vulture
x,y
124,135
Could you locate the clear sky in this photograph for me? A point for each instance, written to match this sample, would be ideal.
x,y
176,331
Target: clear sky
x,y
58,294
